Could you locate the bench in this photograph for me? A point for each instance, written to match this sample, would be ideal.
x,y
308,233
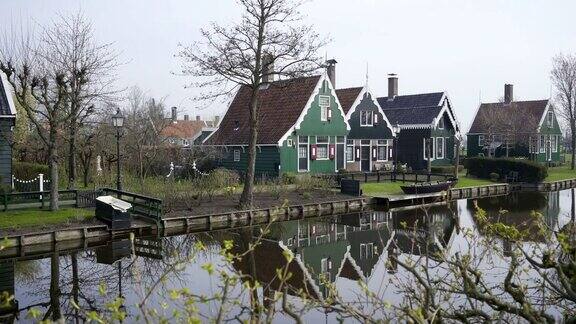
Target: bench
x,y
350,187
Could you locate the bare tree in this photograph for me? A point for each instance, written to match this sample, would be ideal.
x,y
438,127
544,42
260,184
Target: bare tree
x,y
21,59
268,42
69,45
564,79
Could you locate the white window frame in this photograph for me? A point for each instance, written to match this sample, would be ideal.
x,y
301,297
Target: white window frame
x,y
554,143
350,158
366,122
433,149
481,141
326,144
443,148
441,123
550,119
384,145
236,155
324,103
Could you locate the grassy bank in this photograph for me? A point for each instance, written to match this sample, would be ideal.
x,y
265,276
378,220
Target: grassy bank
x,y
393,188
35,217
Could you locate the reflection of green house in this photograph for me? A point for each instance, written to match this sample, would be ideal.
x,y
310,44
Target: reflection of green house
x,y
301,128
539,138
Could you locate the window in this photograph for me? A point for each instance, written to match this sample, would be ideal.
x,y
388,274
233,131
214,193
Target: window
x,y
236,155
542,144
382,150
429,148
481,140
340,139
550,118
289,142
440,148
324,102
441,123
302,139
554,143
350,153
302,152
366,118
322,147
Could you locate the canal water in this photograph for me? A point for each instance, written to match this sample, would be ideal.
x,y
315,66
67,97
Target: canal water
x,y
340,250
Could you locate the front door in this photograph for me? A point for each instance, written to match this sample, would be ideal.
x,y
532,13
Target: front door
x,y
365,158
549,150
303,157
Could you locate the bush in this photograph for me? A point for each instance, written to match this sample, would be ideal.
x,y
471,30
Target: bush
x,y
288,178
494,176
528,171
446,169
28,171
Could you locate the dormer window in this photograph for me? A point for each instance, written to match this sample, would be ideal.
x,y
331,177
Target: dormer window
x,y
441,123
550,118
324,103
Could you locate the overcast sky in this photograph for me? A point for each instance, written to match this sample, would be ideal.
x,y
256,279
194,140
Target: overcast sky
x,y
468,48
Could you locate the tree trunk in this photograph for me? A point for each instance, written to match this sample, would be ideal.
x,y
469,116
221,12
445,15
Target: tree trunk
x,y
53,165
246,199
573,144
55,291
72,157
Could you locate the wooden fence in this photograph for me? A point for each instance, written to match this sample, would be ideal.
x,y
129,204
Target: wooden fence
x,y
37,199
380,176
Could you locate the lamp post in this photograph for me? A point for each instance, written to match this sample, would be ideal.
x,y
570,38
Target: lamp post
x,y
396,130
118,122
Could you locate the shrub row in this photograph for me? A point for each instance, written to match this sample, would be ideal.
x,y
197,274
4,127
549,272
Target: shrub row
x,y
528,171
447,169
28,171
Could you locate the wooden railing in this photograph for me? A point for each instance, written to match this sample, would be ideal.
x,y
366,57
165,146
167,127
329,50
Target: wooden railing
x,y
379,176
37,199
147,207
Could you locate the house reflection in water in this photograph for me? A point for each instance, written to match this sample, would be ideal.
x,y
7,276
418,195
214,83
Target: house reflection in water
x,y
348,246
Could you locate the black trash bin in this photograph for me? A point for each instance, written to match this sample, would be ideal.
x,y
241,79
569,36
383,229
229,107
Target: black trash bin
x,y
113,211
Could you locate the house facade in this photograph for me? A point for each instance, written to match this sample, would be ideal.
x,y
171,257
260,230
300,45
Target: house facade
x,y
301,128
7,122
369,145
185,133
427,123
525,129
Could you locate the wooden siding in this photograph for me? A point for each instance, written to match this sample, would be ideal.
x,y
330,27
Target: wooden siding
x,y
267,160
6,150
379,131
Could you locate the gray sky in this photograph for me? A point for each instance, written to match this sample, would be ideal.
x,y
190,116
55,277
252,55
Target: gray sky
x,y
465,47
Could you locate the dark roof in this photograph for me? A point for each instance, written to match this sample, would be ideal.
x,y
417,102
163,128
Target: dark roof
x,y
412,109
347,97
280,105
532,108
4,103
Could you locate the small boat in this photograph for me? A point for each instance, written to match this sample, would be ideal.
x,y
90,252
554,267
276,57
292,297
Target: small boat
x,y
428,187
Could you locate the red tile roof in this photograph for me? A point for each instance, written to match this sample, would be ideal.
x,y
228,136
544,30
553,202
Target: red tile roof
x,y
533,108
347,97
183,129
280,105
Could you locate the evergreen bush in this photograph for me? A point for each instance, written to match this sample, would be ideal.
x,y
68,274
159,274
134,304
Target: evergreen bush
x,y
528,171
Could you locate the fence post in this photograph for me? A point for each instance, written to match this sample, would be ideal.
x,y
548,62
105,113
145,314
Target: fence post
x,y
365,177
377,175
12,182
76,193
41,186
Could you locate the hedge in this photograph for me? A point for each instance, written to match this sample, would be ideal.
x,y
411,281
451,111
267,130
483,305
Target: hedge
x,y
28,171
528,171
447,169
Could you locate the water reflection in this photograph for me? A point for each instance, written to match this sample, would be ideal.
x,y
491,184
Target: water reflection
x,y
361,246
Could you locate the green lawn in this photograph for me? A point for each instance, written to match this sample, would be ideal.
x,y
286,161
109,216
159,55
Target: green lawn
x,y
35,217
393,188
560,173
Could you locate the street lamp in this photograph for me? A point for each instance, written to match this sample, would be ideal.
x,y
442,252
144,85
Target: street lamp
x,y
118,122
396,131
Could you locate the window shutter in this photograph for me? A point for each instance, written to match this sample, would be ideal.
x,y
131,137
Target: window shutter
x,y
357,153
313,150
374,153
332,151
375,118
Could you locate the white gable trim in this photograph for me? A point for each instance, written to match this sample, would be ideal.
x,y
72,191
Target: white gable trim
x,y
358,100
543,117
7,86
309,104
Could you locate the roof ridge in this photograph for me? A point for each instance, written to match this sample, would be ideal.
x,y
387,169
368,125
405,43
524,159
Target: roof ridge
x,y
349,88
515,101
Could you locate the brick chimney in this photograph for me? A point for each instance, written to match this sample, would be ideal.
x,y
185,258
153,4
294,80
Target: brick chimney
x,y
198,118
186,117
174,114
267,68
392,86
508,93
331,70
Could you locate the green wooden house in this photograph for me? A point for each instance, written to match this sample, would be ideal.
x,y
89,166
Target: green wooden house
x,y
7,122
427,123
301,128
526,129
369,142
